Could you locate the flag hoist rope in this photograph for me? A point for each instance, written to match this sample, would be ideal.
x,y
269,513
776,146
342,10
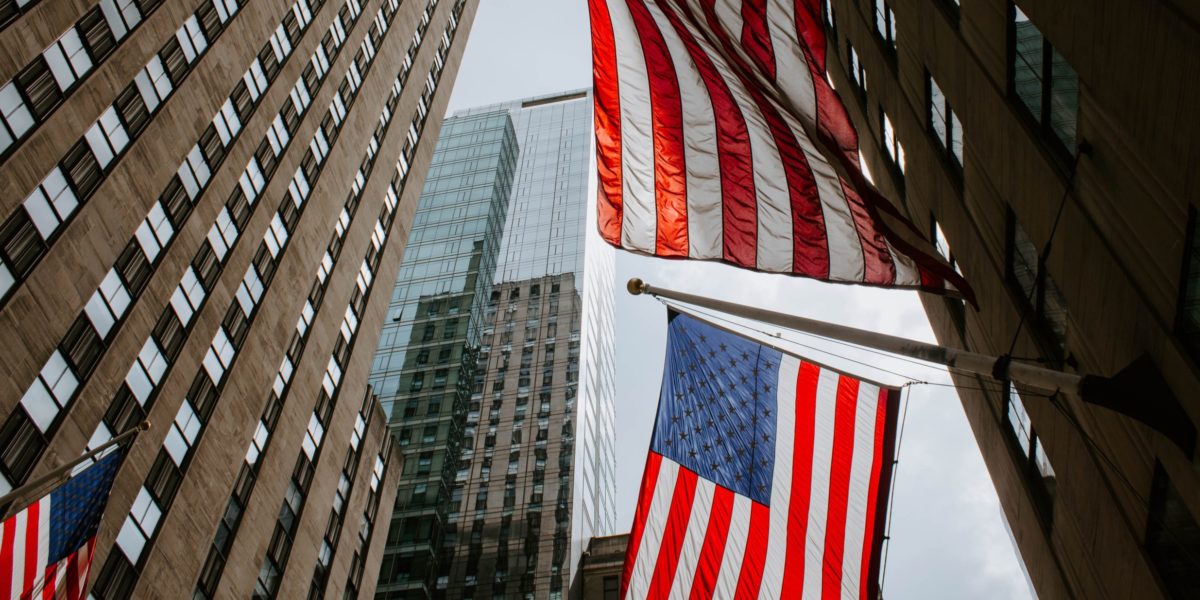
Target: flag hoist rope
x,y
995,367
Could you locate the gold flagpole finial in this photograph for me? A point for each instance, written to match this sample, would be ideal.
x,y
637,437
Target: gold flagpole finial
x,y
635,286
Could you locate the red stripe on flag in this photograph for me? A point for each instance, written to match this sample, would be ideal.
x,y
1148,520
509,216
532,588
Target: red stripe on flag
x,y
750,578
839,486
33,522
881,476
606,98
810,246
738,202
666,111
674,533
756,36
50,585
649,479
73,587
708,566
6,557
878,266
797,525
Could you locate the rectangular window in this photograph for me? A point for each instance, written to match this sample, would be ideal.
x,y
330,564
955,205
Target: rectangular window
x,y
1038,293
50,392
107,138
1172,537
122,16
1042,79
885,24
1188,321
15,118
191,39
891,143
155,232
146,372
108,304
219,356
51,203
1035,465
153,83
858,73
188,296
68,59
944,123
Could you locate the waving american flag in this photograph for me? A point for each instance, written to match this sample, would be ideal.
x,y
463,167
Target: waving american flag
x,y
719,138
46,549
767,476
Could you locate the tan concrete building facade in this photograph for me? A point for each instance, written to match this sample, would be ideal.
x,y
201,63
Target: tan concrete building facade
x,y
197,198
600,567
979,120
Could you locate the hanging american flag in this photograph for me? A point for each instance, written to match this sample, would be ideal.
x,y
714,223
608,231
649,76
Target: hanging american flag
x,y
46,549
719,138
767,476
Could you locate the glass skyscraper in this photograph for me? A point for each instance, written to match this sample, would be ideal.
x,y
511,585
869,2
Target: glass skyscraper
x,y
499,499
427,351
539,481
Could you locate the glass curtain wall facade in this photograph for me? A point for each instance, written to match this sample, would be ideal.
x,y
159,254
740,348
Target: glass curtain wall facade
x,y
426,358
546,380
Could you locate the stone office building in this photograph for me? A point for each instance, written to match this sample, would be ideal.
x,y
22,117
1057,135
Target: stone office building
x,y
197,199
1048,147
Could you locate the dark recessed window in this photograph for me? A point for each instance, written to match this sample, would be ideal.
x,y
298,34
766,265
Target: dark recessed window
x,y
1034,463
1042,79
1173,538
885,24
1037,292
944,124
942,244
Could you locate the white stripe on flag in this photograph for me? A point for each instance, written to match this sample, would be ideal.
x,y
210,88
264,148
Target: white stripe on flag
x,y
656,523
43,549
703,170
637,146
860,488
770,181
814,554
20,552
735,548
693,543
729,13
781,482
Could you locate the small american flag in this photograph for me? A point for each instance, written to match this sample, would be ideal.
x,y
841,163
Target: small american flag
x,y
46,549
719,138
767,476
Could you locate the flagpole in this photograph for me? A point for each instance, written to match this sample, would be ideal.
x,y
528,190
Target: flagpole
x,y
15,497
1155,405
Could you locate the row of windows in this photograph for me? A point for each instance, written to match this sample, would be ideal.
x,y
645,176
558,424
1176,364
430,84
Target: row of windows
x,y
49,79
268,580
221,352
72,363
27,235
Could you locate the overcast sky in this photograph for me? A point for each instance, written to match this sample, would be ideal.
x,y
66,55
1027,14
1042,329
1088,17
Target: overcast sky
x,y
949,538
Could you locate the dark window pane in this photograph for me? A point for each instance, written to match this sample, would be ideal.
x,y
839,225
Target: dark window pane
x,y
1028,59
1064,100
96,34
82,169
39,85
1173,538
21,444
21,243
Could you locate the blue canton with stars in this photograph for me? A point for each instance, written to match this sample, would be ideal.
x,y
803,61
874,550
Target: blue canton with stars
x,y
716,412
77,505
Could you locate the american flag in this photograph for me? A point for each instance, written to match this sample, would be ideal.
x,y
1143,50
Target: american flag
x,y
767,476
46,549
719,138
